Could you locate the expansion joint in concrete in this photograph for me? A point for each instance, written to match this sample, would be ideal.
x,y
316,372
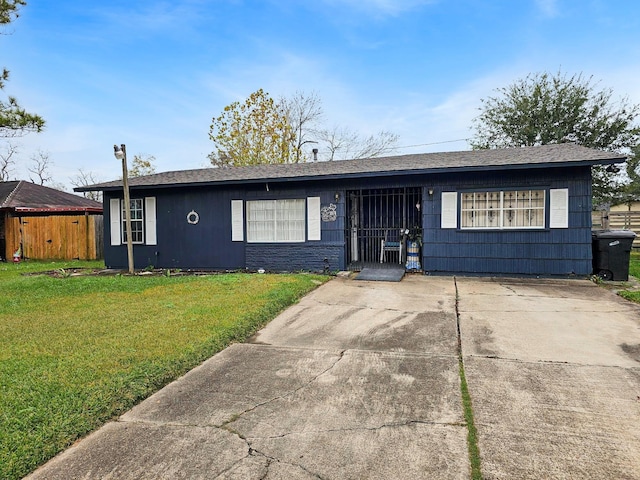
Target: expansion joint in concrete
x,y
472,433
546,362
358,307
362,429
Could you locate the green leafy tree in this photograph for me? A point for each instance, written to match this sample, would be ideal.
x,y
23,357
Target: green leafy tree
x,y
9,10
543,108
14,120
252,133
256,132
142,165
631,192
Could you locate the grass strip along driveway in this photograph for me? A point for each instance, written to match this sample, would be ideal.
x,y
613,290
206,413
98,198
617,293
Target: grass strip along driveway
x,y
634,271
77,350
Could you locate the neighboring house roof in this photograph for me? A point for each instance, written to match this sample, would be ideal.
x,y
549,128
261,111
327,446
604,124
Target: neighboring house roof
x,y
21,196
558,155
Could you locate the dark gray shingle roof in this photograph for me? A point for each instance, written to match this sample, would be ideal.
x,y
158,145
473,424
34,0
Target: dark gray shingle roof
x,y
497,159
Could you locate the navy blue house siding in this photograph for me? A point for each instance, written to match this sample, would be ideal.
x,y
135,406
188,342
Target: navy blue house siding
x,y
205,245
521,252
208,244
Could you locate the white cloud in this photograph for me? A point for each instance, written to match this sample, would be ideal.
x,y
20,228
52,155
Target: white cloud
x,y
139,17
282,73
376,8
549,8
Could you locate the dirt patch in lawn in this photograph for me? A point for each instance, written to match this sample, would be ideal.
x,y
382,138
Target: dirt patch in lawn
x,y
77,272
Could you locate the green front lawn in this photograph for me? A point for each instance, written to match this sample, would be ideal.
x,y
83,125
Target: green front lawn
x,y
77,350
634,264
634,270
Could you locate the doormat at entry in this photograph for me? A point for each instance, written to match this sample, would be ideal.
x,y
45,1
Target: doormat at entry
x,y
381,274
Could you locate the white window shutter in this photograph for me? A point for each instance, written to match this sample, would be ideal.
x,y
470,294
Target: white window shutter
x,y
114,220
237,221
449,217
313,219
559,208
150,220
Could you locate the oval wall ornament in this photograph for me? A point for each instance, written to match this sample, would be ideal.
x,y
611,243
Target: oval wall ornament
x,y
193,217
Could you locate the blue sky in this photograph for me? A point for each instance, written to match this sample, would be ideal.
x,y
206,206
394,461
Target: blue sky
x,y
152,74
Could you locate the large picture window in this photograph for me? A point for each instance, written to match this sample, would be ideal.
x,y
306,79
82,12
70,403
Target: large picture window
x,y
137,221
503,209
276,221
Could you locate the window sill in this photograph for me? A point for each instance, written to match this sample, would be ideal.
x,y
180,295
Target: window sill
x,y
498,229
291,242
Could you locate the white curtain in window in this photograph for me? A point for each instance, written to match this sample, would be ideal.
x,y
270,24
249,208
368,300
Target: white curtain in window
x,y
260,218
276,220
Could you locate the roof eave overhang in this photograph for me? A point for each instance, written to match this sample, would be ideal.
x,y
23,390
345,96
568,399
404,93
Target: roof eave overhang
x,y
346,176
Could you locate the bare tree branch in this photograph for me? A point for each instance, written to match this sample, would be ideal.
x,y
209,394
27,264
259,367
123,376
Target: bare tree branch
x,y
40,167
304,111
342,143
7,161
82,179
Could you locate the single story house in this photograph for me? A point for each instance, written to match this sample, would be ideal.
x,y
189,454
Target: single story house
x,y
44,223
521,211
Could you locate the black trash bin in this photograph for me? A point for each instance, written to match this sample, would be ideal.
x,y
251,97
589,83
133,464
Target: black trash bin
x,y
611,253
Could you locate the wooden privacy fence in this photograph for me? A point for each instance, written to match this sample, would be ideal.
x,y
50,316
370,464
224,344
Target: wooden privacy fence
x,y
618,220
56,237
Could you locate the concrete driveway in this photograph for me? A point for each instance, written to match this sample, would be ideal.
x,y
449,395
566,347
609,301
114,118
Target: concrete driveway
x,y
361,380
554,372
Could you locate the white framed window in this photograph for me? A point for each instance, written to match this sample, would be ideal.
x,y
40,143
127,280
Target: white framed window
x,y
502,209
137,221
143,221
276,221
